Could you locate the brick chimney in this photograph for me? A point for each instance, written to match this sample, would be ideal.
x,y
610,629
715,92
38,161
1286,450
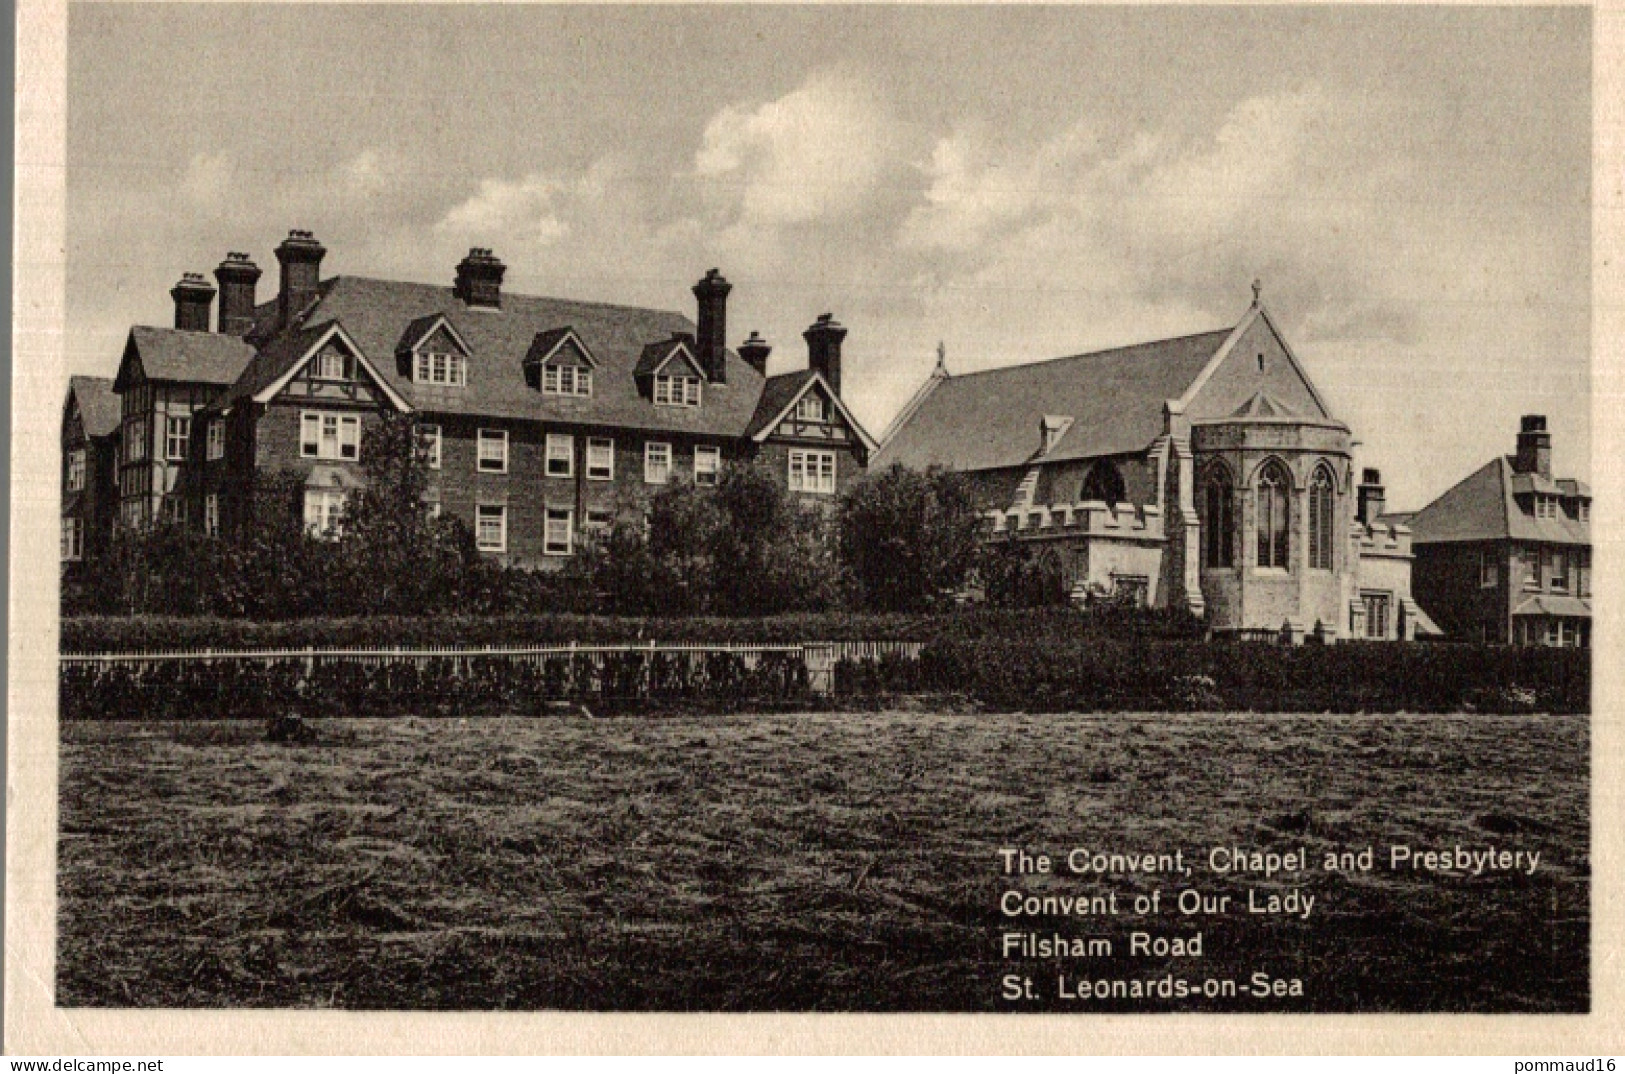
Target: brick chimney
x,y
193,296
301,257
711,332
755,351
238,277
479,279
1534,447
1371,497
824,349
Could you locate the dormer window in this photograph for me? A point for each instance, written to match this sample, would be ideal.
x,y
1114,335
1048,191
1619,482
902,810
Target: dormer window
x,y
811,408
566,380
438,367
676,390
1583,510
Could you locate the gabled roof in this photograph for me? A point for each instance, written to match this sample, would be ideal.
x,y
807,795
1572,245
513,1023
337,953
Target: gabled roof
x,y
190,357
423,327
99,408
376,313
656,355
547,344
784,391
1115,398
292,352
1484,506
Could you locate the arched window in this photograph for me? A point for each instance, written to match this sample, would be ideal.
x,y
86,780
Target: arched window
x,y
1322,494
1274,490
1104,483
1216,509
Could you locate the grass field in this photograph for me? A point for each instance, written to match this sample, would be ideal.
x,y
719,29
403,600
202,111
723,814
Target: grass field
x,y
840,862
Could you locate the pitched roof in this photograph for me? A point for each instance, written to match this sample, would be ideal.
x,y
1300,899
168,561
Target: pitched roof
x,y
273,360
1114,397
195,357
656,355
99,407
777,394
375,314
1484,506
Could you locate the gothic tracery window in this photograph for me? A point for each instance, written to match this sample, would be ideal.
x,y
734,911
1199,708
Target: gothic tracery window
x,y
1274,507
1104,484
1322,495
1217,512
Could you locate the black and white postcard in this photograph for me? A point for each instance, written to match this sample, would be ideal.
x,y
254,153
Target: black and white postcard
x,y
1044,512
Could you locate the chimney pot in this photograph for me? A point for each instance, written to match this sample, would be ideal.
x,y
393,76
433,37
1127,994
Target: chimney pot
x,y
1371,498
1534,447
711,327
301,258
238,277
824,349
479,278
755,351
193,296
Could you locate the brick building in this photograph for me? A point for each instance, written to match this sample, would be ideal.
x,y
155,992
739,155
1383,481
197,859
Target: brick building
x,y
546,417
1204,471
1505,554
90,431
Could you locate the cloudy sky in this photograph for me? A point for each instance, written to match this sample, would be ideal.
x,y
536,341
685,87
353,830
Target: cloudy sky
x,y
1412,186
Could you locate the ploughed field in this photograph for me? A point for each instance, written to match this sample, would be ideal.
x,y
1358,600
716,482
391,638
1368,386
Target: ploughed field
x,y
828,862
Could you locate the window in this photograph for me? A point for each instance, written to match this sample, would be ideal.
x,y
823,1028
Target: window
x,y
1584,569
491,527
1582,510
599,521
1218,520
429,439
177,431
677,390
1560,570
76,469
557,531
211,514
811,408
656,463
435,367
1273,508
600,459
1133,589
561,451
332,365
1104,484
1531,558
135,440
812,471
1376,614
329,436
1489,572
324,510
566,380
216,437
707,464
73,538
1322,495
493,451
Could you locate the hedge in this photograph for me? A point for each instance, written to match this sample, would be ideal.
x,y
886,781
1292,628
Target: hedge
x,y
432,687
156,634
1111,676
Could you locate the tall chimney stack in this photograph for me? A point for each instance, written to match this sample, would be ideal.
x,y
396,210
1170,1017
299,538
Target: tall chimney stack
x,y
1534,447
238,277
479,279
755,351
1371,497
301,257
824,349
711,331
193,296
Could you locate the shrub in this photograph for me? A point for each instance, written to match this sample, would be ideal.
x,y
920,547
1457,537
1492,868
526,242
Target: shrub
x,y
908,539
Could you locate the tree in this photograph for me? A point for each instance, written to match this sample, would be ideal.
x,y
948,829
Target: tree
x,y
397,558
771,552
908,539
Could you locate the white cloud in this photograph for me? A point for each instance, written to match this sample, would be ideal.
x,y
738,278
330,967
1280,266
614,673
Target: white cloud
x,y
521,211
820,151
